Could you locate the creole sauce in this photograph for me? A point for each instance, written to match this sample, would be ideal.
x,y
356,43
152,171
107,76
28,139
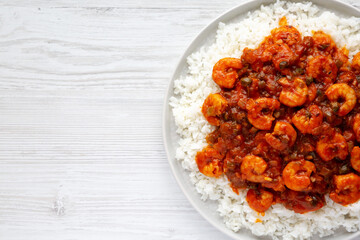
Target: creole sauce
x,y
287,122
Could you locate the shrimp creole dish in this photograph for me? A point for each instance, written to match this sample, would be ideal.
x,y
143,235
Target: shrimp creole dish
x,y
283,129
287,121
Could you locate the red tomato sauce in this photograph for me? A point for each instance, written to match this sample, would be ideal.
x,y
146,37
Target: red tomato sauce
x,y
287,122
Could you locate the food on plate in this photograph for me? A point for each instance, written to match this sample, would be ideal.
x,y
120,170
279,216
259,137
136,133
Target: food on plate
x,y
258,127
269,121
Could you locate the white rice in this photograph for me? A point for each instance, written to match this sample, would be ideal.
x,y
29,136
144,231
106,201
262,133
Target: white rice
x,y
192,89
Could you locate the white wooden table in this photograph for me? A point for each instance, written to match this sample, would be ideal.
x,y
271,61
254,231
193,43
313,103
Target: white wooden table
x,y
81,91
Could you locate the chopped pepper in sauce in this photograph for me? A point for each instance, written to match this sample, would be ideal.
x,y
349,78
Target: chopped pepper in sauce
x,y
287,122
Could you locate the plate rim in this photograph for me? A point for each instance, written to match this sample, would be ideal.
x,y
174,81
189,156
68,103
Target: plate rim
x,y
190,48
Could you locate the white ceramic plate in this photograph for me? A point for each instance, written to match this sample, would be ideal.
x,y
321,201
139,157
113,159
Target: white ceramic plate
x,y
207,36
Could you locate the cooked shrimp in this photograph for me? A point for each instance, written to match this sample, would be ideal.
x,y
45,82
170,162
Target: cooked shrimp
x,y
213,106
293,93
356,126
280,54
306,120
322,68
329,147
225,72
209,162
355,64
259,200
260,112
288,34
347,189
253,169
355,158
323,41
342,92
297,174
283,136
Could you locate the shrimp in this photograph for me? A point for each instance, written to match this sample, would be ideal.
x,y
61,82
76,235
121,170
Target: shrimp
x,y
213,106
293,93
355,64
259,200
283,136
306,120
288,34
331,146
342,92
225,72
260,112
210,162
347,189
323,41
297,174
253,169
322,68
356,126
280,54
355,158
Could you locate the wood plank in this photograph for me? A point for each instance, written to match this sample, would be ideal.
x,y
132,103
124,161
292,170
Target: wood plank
x,y
136,4
56,48
64,176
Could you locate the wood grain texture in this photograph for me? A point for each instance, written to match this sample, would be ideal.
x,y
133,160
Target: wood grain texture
x,y
81,91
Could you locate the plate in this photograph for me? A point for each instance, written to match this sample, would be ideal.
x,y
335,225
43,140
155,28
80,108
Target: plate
x,y
170,138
